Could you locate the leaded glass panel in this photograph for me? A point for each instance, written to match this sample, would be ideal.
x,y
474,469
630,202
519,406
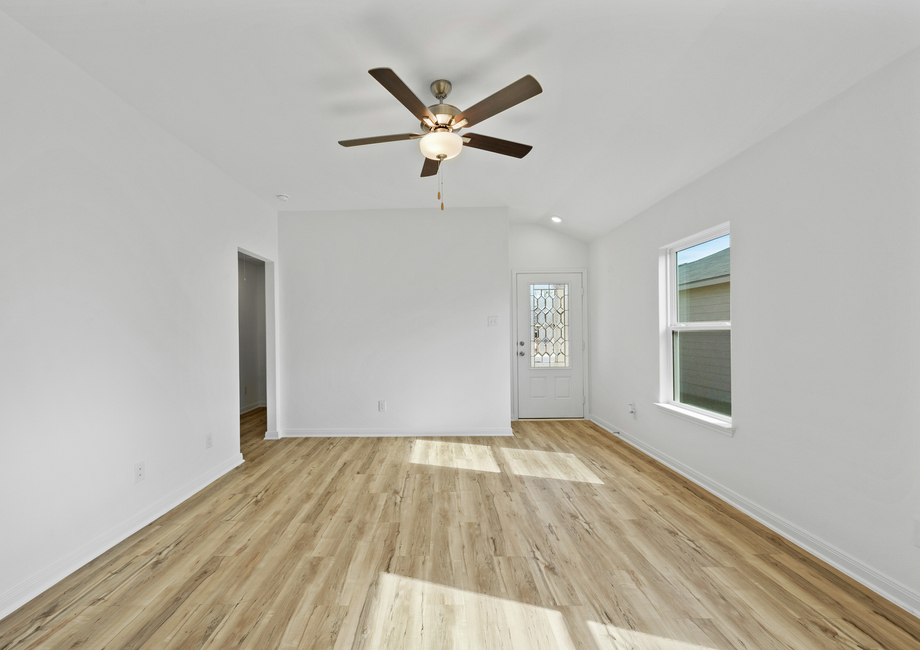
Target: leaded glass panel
x,y
549,305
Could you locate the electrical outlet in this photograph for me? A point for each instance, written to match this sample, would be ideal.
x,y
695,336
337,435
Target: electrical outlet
x,y
493,321
382,406
632,410
139,472
208,441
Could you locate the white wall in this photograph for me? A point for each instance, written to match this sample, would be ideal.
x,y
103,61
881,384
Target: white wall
x,y
532,247
393,305
119,316
825,225
251,281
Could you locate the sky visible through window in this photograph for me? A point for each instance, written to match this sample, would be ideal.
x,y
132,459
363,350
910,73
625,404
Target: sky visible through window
x,y
705,249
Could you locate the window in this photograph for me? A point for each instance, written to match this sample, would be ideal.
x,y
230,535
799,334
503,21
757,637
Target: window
x,y
696,337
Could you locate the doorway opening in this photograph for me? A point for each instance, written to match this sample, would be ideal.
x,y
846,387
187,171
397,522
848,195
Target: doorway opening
x,y
256,314
251,275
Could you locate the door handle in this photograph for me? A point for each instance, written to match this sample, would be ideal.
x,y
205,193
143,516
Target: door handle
x,y
521,353
521,343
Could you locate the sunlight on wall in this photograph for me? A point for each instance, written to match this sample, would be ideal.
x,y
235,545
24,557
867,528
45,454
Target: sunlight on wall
x,y
549,464
405,614
610,637
454,454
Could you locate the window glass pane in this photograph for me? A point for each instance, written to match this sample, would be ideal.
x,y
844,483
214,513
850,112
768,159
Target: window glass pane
x,y
549,305
703,370
703,282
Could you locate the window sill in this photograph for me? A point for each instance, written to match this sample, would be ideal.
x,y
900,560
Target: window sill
x,y
716,424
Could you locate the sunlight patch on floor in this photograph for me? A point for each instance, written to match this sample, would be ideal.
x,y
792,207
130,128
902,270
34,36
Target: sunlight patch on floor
x,y
549,464
406,614
458,455
610,637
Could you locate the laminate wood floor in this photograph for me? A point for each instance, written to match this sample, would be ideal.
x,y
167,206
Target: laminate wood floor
x,y
562,537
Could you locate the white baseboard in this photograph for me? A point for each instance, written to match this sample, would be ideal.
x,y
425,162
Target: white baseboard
x,y
885,586
22,593
272,435
390,433
252,407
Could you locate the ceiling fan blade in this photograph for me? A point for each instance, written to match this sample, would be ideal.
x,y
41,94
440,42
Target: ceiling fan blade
x,y
380,138
400,91
496,145
522,89
430,168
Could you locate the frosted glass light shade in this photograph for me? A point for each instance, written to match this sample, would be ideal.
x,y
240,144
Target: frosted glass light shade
x,y
441,145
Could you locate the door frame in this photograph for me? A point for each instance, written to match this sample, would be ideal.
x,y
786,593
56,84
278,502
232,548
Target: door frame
x,y
514,330
272,394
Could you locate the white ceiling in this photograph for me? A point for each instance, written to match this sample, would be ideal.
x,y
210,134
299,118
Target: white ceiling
x,y
640,96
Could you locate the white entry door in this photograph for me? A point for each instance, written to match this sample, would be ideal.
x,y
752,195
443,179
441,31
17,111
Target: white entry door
x,y
548,347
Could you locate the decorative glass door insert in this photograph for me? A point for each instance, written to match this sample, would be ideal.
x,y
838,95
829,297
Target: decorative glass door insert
x,y
549,305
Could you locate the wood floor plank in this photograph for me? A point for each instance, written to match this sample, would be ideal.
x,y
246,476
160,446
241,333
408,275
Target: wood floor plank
x,y
561,537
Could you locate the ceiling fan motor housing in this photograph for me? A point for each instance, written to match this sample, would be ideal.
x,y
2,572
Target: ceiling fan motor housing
x,y
444,113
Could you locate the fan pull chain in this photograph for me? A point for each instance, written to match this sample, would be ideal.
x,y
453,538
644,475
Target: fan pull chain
x,y
441,186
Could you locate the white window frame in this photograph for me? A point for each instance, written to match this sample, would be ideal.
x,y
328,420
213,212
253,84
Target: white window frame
x,y
669,325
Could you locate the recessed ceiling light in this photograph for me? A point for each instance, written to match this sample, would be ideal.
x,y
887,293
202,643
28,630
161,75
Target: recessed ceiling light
x,y
282,197
556,219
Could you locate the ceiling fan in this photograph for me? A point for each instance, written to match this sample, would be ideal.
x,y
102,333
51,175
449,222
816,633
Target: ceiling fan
x,y
440,122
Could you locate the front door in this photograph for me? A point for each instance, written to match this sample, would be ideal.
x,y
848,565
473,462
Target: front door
x,y
548,347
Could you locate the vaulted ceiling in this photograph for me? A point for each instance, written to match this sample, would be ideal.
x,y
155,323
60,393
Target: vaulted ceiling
x,y
640,97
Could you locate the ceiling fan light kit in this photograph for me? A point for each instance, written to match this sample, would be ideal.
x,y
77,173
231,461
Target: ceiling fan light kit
x,y
441,145
440,122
